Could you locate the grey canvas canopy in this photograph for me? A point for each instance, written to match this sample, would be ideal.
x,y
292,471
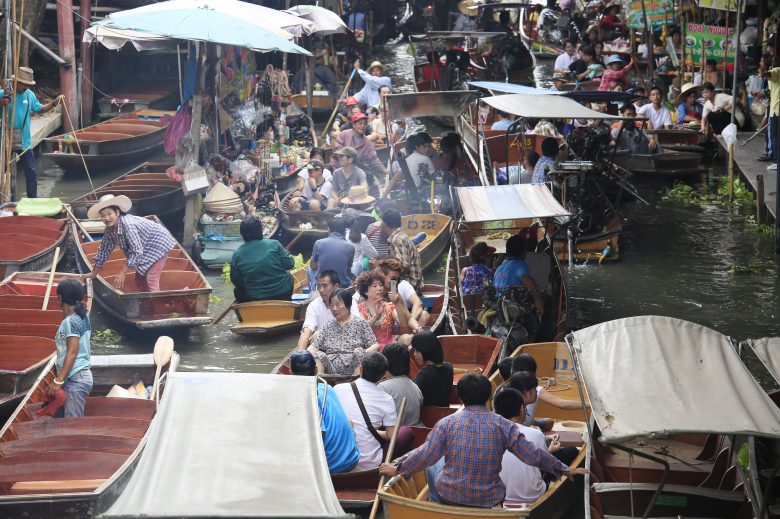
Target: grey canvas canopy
x,y
767,350
233,445
429,104
515,202
548,107
652,375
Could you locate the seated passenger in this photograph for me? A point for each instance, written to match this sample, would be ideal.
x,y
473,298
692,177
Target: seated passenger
x,y
514,271
259,268
418,160
379,407
338,439
315,192
303,175
393,270
479,273
399,386
317,312
435,376
630,135
342,343
526,363
503,123
465,451
382,315
524,483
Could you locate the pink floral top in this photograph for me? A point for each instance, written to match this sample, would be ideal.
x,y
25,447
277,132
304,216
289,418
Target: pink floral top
x,y
383,329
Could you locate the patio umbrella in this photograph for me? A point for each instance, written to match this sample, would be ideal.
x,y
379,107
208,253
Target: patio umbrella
x,y
327,21
225,22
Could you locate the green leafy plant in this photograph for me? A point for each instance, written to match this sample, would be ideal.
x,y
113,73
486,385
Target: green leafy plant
x,y
106,336
214,299
226,274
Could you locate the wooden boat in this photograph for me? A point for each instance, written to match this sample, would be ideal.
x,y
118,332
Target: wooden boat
x,y
679,139
437,230
127,138
408,499
158,98
668,164
299,221
321,105
27,332
272,317
29,243
147,185
63,468
183,299
602,246
220,240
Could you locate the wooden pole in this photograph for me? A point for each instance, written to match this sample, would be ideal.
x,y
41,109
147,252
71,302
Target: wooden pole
x,y
760,201
68,53
733,94
649,44
54,262
389,456
86,65
191,214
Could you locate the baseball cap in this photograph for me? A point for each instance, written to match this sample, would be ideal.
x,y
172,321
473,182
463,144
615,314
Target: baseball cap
x,y
351,101
315,164
348,151
358,116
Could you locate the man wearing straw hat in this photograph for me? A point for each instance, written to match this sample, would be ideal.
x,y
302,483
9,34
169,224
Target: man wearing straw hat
x,y
24,105
374,79
145,243
467,19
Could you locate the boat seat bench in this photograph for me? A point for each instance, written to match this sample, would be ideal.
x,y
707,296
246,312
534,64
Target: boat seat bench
x,y
101,425
136,408
55,487
71,442
60,466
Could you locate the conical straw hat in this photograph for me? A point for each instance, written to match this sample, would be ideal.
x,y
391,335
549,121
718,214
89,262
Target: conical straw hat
x,y
221,193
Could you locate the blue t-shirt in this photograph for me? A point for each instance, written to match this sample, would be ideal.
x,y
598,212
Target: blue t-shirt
x,y
501,124
341,448
26,105
335,253
74,326
510,273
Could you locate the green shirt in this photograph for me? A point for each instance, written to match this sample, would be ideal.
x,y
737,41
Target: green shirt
x,y
260,267
26,105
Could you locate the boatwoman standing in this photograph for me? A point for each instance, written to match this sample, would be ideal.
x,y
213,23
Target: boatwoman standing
x,y
145,243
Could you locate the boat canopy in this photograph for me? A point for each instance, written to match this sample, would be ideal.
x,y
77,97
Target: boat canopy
x,y
582,96
233,445
767,350
553,107
652,375
429,104
515,202
456,35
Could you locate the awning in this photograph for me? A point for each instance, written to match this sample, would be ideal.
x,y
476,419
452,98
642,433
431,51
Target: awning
x,y
581,96
456,35
233,445
511,88
429,104
115,39
767,350
652,375
519,201
553,107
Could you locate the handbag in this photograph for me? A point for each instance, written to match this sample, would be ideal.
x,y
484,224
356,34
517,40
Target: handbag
x,y
16,138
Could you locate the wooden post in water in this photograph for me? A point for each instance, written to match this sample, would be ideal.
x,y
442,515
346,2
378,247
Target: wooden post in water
x,y
191,205
68,53
733,92
86,65
760,202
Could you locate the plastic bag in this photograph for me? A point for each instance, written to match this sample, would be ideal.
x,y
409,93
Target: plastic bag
x,y
729,134
298,261
178,126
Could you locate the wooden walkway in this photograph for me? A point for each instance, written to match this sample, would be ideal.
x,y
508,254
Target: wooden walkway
x,y
43,125
745,163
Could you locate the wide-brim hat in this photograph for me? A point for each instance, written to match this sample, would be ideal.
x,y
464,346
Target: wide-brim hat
x,y
25,75
376,64
687,88
559,76
358,195
469,7
122,202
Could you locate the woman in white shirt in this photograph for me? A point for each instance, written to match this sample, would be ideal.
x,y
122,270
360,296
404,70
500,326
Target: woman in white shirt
x,y
363,247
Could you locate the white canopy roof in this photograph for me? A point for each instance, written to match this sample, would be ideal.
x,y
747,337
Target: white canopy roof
x,y
548,107
115,39
767,350
653,375
429,104
233,445
518,201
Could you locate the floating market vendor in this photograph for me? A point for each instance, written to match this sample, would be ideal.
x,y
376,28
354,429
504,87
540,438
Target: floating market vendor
x,y
321,74
374,79
144,243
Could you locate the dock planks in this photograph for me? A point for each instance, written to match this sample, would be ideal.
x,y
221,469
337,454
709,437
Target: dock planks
x,y
745,163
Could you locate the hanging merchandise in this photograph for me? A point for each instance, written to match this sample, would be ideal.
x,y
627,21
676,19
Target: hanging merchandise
x,y
178,126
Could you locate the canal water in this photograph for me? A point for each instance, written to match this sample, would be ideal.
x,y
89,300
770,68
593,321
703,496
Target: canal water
x,y
701,264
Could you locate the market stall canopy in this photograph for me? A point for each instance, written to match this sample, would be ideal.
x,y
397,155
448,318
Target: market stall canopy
x,y
227,22
553,107
325,21
115,39
429,104
652,375
767,350
515,202
233,445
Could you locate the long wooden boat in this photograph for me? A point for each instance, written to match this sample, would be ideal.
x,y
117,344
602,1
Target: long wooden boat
x,y
313,224
29,243
601,246
62,468
127,138
437,229
408,499
130,100
668,164
321,105
220,240
27,332
183,299
679,139
147,185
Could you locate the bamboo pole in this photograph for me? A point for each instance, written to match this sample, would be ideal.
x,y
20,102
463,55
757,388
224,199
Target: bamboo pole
x,y
733,96
389,456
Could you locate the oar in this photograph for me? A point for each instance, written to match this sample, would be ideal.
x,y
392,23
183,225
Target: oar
x,y
51,278
163,351
78,224
389,456
232,305
336,108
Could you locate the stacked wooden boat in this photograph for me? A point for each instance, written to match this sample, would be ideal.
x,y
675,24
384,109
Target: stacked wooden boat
x,y
147,185
124,139
183,299
29,243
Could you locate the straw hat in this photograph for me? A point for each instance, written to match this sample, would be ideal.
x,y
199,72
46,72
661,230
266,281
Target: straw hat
x,y
25,76
687,88
358,195
559,75
122,202
469,7
376,64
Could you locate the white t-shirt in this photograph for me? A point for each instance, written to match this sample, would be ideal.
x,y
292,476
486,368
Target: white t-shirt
x,y
364,249
318,314
658,119
530,409
325,188
563,61
326,174
420,167
406,291
381,411
523,482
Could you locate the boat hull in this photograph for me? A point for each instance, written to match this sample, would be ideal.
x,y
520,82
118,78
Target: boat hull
x,y
667,164
35,239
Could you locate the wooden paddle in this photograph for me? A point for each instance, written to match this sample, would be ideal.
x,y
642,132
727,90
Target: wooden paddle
x,y
163,351
336,108
54,261
232,305
388,457
78,224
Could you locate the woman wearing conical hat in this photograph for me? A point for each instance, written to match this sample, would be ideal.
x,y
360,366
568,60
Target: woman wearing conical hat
x,y
145,243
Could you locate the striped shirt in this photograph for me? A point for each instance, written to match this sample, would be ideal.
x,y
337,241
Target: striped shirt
x,y
473,443
142,241
374,233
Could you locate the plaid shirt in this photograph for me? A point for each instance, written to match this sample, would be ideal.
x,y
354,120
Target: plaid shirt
x,y
400,247
473,443
540,175
143,242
